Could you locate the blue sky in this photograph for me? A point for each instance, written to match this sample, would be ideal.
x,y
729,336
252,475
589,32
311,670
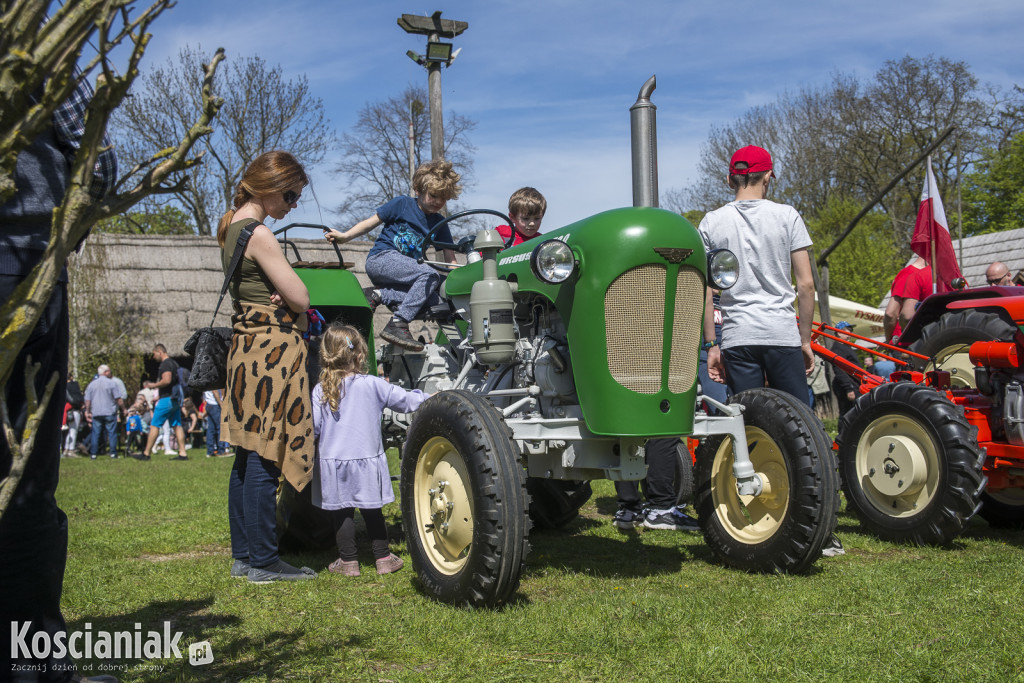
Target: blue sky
x,y
550,83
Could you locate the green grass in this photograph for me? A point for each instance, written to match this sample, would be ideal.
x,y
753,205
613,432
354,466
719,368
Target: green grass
x,y
149,543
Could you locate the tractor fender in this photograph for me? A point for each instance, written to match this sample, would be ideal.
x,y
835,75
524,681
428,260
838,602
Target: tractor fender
x,y
1005,302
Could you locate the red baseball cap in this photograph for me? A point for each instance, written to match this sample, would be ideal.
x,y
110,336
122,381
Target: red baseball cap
x,y
757,159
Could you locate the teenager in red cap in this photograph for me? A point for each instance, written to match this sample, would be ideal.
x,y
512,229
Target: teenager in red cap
x,y
762,343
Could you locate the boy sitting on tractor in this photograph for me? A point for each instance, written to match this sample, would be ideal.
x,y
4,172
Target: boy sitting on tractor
x,y
400,281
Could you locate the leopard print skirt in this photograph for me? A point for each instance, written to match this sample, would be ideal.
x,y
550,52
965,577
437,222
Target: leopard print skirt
x,y
268,391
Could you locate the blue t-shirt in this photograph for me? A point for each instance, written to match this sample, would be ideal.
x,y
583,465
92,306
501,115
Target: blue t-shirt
x,y
405,226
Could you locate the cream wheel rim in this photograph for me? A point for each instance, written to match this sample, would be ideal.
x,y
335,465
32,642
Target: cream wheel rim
x,y
897,465
443,506
751,519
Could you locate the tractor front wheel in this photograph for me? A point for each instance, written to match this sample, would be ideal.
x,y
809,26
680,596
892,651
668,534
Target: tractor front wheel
x,y
910,463
783,528
464,501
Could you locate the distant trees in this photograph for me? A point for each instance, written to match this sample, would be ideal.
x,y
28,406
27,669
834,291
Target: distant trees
x,y
374,166
837,145
41,67
263,110
160,220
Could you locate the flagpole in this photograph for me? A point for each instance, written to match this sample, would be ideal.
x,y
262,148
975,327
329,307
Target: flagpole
x,y
931,226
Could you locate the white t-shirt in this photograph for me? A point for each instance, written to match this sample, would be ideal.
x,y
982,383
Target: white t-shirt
x,y
758,310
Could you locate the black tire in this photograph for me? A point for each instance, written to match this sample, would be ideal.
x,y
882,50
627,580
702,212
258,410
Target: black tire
x,y
948,340
784,528
459,451
1003,509
684,474
300,524
911,464
555,502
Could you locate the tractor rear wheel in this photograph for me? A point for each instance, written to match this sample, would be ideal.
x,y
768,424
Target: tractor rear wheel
x,y
948,340
464,501
1003,509
783,528
556,502
911,464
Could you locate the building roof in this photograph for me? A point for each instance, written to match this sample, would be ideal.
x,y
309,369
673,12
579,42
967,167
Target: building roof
x,y
981,250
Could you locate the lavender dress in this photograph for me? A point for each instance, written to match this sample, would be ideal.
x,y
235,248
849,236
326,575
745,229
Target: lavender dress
x,y
351,468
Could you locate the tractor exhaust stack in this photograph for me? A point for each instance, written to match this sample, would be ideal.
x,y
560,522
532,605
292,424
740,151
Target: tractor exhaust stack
x,y
644,146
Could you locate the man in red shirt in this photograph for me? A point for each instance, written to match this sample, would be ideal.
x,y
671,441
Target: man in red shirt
x,y
911,285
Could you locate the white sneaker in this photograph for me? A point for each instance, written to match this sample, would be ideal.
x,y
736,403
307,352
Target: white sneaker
x,y
833,547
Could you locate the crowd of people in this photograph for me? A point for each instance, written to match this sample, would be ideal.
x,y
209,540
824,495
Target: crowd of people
x,y
100,420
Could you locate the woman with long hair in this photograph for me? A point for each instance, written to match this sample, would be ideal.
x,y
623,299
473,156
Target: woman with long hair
x,y
266,414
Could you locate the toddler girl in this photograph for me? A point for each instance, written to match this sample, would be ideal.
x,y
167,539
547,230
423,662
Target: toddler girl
x,y
352,470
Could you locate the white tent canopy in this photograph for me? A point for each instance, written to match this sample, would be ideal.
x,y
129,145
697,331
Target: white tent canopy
x,y
866,321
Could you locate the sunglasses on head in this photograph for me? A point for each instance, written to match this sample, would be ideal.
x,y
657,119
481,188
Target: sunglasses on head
x,y
290,196
996,281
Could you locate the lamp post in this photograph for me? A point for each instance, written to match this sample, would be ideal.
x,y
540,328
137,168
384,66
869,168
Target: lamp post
x,y
438,53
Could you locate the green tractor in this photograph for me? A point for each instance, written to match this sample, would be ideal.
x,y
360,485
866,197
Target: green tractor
x,y
555,361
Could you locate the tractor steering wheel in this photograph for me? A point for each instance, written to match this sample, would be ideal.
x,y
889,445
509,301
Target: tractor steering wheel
x,y
465,245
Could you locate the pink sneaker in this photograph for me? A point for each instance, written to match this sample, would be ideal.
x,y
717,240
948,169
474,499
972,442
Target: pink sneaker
x,y
391,563
339,566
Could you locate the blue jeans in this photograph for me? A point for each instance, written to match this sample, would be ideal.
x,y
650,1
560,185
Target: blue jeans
x,y
213,442
404,282
106,424
780,367
252,508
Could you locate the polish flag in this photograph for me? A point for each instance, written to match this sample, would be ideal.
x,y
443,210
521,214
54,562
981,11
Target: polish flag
x,y
931,240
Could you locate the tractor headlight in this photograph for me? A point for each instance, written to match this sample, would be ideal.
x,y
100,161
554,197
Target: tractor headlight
x,y
723,268
553,261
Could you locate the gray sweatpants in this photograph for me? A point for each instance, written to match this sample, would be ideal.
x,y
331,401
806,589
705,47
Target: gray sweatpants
x,y
404,282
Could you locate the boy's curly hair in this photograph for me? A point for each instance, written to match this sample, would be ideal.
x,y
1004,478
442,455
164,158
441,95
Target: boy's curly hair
x,y
437,177
343,352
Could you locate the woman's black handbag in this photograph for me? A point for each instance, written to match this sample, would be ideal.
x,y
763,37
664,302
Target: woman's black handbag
x,y
209,346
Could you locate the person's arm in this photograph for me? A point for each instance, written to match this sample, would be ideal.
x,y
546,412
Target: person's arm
x,y
360,228
88,411
801,260
890,317
907,312
69,127
716,371
164,381
266,252
449,257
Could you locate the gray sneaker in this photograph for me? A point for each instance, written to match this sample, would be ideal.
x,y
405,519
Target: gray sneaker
x,y
627,519
833,547
280,571
671,520
240,569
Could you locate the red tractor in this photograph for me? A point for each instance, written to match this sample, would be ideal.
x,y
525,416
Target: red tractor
x,y
943,437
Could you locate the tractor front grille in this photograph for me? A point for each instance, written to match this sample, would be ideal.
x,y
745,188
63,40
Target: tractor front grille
x,y
634,308
686,330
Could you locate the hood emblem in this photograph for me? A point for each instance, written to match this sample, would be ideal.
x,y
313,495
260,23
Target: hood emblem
x,y
673,254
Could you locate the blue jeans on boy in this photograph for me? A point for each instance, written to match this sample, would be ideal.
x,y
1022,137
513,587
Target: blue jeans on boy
x,y
213,429
107,424
751,367
252,509
402,281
